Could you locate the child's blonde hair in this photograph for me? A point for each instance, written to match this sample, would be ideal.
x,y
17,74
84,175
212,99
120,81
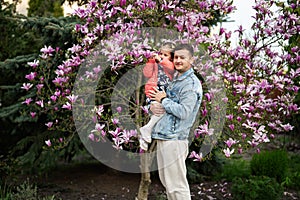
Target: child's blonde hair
x,y
168,46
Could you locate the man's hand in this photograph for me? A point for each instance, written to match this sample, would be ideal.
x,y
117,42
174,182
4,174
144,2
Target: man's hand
x,y
157,95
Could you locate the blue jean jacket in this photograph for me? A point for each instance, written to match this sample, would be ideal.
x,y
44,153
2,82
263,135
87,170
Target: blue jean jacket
x,y
184,95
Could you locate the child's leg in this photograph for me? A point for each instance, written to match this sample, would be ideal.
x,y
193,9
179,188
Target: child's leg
x,y
147,129
146,132
143,144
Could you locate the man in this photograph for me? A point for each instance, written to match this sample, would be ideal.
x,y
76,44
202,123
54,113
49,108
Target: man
x,y
180,103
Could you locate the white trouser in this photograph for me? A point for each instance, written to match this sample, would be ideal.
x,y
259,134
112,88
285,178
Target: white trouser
x,y
171,156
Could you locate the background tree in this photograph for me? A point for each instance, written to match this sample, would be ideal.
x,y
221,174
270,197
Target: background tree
x,y
15,40
294,47
21,39
45,8
116,17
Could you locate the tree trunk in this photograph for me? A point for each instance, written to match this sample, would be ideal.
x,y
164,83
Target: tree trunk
x,y
145,161
145,158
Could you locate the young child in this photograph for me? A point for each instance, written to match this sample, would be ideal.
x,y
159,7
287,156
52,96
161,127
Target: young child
x,y
159,70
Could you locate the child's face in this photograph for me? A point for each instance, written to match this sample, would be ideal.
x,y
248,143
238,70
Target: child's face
x,y
165,54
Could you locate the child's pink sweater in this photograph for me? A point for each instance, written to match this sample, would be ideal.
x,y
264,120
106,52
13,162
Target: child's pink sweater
x,y
151,70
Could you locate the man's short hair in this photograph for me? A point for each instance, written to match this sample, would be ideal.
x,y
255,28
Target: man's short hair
x,y
185,46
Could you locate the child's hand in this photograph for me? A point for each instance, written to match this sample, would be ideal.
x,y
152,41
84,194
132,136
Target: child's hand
x,y
157,58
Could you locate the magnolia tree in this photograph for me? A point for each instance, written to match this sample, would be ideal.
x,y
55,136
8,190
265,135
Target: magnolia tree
x,y
97,90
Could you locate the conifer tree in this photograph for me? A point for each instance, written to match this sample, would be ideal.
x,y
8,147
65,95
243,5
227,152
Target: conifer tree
x,y
45,8
21,39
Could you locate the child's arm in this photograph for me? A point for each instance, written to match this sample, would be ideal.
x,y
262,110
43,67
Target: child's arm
x,y
149,68
168,66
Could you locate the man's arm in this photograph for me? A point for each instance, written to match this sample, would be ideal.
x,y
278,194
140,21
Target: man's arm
x,y
187,102
184,108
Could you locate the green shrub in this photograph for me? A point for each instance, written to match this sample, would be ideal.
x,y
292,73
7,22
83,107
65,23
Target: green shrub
x,y
161,197
256,188
233,169
27,191
292,181
293,176
5,192
193,175
208,168
270,163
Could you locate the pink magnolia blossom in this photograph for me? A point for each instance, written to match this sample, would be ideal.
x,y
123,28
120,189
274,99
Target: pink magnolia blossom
x,y
115,121
98,128
230,142
244,135
240,150
204,112
228,152
49,124
27,101
99,110
115,133
48,143
119,109
47,50
258,150
40,103
196,157
127,136
118,143
34,64
31,76
208,96
287,127
203,130
67,106
253,143
27,86
145,109
231,126
92,137
72,98
57,93
225,99
39,87
230,116
53,98
33,114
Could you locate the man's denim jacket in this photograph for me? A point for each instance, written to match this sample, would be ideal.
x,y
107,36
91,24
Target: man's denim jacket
x,y
184,95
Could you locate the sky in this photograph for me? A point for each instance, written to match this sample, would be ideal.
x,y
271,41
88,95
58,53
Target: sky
x,y
241,16
243,13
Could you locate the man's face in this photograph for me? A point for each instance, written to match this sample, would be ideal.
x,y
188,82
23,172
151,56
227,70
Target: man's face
x,y
182,60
